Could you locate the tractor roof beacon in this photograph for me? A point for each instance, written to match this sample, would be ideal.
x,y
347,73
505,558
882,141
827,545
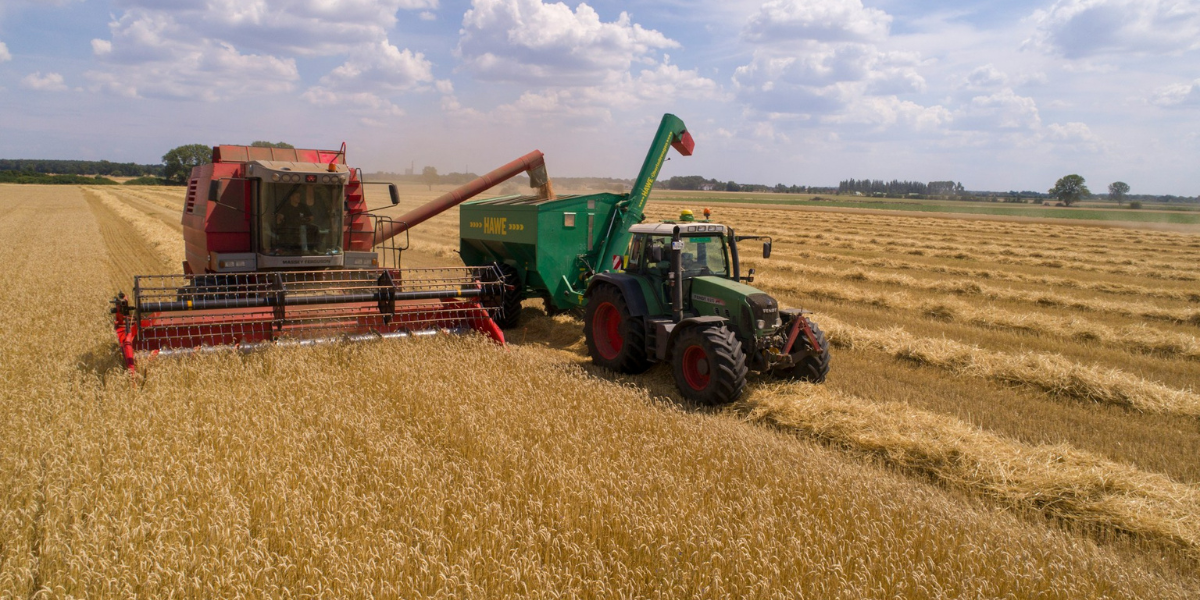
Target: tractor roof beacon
x,y
650,292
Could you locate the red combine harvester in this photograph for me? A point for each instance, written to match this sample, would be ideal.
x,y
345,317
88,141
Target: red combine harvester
x,y
281,248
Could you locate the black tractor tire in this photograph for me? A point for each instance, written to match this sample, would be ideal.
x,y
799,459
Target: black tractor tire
x,y
551,309
615,339
811,367
510,313
709,365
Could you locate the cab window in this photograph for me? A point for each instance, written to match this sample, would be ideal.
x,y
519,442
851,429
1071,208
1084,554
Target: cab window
x,y
300,220
704,255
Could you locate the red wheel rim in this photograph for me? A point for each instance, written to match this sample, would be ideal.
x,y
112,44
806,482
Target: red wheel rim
x,y
606,330
696,368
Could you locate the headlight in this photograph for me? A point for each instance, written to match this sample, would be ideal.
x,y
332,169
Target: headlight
x,y
275,177
760,324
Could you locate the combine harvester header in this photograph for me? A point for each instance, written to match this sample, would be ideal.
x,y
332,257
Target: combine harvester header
x,y
281,248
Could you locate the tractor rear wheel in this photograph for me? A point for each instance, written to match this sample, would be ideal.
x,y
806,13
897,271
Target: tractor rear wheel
x,y
615,339
811,365
709,365
510,314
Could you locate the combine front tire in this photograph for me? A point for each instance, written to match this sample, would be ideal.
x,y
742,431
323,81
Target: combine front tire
x,y
709,365
811,365
615,339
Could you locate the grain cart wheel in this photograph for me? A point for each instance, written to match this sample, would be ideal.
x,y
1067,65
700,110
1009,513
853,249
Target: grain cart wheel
x,y
810,366
614,339
511,314
709,365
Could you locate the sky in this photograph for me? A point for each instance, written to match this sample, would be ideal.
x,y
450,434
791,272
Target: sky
x,y
997,95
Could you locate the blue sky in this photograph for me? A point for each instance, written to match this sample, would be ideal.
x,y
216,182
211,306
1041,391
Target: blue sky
x,y
997,95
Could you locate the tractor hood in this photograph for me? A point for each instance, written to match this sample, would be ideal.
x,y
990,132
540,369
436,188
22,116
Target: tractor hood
x,y
749,308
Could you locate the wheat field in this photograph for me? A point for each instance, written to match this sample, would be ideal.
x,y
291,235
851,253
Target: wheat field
x,y
1013,411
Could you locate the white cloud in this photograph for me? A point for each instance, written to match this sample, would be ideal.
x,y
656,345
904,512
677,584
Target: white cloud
x,y
1074,135
50,82
371,74
152,55
819,20
1083,28
381,65
292,27
1178,94
822,78
101,47
888,111
532,42
365,102
986,77
4,55
664,85
819,62
1004,110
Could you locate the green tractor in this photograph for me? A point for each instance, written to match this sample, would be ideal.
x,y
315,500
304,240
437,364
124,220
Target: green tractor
x,y
680,299
669,291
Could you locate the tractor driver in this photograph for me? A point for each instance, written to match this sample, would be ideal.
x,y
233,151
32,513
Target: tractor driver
x,y
291,221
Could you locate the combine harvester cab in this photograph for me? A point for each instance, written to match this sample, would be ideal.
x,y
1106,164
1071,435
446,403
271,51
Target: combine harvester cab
x,y
281,248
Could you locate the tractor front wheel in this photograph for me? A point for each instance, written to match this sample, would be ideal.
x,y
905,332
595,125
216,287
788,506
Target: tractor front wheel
x,y
811,364
615,339
709,365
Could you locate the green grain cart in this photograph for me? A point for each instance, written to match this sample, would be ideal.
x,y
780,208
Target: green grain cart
x,y
649,292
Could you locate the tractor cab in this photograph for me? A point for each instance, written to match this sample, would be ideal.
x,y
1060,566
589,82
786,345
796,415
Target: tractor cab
x,y
298,212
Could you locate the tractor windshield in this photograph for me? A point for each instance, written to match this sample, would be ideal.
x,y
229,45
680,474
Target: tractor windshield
x,y
299,219
704,256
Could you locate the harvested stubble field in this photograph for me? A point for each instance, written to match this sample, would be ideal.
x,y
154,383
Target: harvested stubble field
x,y
1012,412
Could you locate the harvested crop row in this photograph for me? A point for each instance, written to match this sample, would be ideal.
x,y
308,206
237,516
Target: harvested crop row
x,y
1170,274
990,245
1057,481
1130,309
162,239
1140,338
173,201
982,249
965,284
968,232
1051,373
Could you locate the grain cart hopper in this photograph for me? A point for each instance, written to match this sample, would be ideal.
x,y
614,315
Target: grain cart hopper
x,y
281,247
650,292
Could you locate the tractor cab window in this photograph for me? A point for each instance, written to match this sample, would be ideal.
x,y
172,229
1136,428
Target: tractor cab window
x,y
649,265
298,219
704,256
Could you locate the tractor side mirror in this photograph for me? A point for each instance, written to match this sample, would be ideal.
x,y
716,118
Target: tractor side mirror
x,y
656,253
767,249
749,276
394,194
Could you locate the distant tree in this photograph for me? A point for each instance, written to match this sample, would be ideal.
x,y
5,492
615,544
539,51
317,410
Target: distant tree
x,y
262,144
1070,189
429,176
1117,191
178,163
732,186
